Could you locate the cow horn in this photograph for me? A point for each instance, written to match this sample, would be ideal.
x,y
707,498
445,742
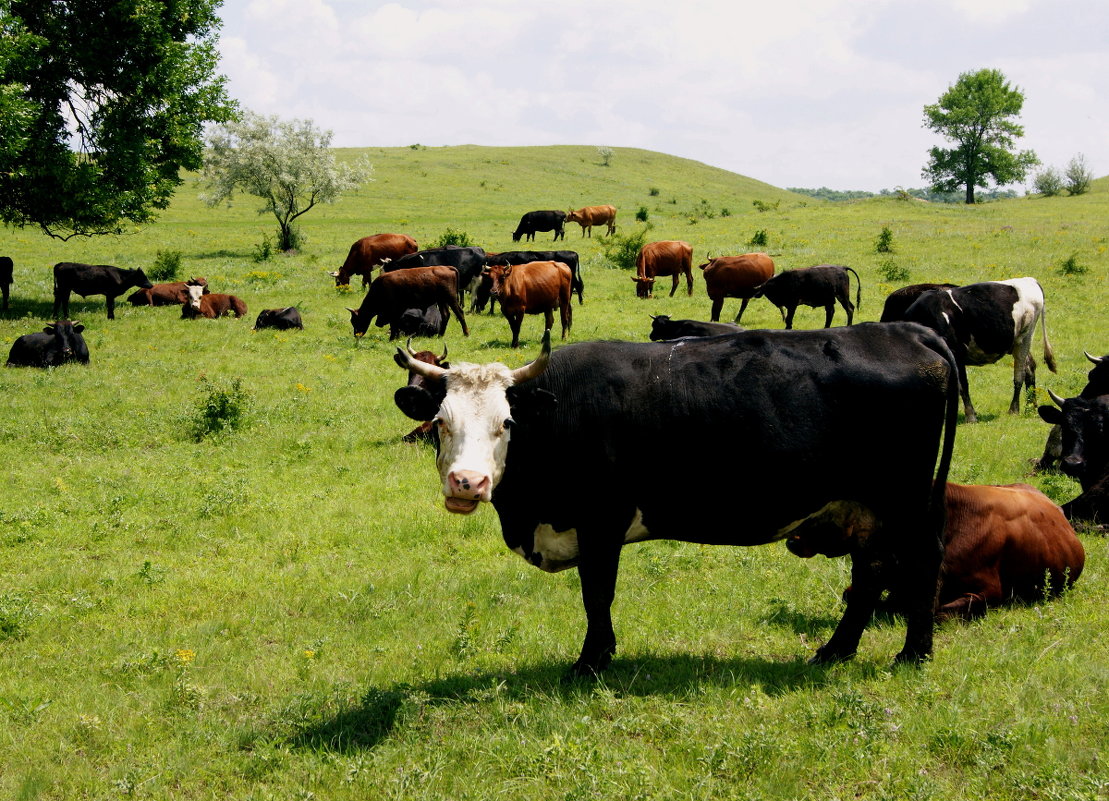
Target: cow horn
x,y
408,347
1094,359
652,316
431,371
1058,401
535,368
333,274
443,358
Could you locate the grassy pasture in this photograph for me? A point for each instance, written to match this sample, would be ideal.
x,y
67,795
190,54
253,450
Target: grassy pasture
x,y
288,612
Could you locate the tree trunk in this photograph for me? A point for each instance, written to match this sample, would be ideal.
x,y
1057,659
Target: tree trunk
x,y
970,193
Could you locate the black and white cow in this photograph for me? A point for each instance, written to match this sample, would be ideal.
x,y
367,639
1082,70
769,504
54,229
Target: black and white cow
x,y
563,447
663,328
983,322
1097,383
281,319
56,344
1085,439
533,221
821,285
94,279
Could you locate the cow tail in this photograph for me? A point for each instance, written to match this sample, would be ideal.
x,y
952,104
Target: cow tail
x,y
950,423
858,290
1049,354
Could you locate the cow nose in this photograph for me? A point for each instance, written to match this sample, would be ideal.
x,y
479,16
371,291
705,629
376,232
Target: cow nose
x,y
1073,465
468,484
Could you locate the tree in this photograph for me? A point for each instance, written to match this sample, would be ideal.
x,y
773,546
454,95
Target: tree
x,y
289,164
1078,176
977,114
102,104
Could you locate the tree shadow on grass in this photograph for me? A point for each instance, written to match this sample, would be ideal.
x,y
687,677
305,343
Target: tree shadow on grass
x,y
365,724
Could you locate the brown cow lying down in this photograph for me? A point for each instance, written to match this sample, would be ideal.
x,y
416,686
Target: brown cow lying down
x,y
1000,543
211,306
170,294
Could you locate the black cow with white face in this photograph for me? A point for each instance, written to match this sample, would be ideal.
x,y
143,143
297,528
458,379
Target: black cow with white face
x,y
468,262
511,257
56,344
533,221
821,285
564,446
94,279
1097,383
663,328
983,322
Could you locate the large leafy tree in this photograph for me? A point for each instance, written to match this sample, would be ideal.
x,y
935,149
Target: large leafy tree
x,y
102,104
978,113
287,163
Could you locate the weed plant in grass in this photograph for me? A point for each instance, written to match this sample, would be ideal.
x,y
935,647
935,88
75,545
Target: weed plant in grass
x,y
288,611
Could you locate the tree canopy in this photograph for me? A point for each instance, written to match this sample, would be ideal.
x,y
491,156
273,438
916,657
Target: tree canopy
x,y
978,114
288,164
102,104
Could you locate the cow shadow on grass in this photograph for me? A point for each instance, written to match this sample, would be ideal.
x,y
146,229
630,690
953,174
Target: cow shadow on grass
x,y
372,719
38,310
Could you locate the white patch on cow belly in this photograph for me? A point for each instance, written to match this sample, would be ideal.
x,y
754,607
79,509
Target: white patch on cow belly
x,y
559,549
637,532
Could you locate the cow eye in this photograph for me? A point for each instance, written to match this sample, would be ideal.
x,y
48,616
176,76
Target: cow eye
x,y
509,423
441,424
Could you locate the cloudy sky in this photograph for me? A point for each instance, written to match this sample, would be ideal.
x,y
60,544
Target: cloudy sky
x,y
795,92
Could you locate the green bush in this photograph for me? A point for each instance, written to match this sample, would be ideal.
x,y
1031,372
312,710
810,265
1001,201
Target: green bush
x,y
1071,266
759,239
884,243
223,407
1048,182
621,250
1078,176
764,206
453,237
642,214
264,250
653,191
166,267
892,271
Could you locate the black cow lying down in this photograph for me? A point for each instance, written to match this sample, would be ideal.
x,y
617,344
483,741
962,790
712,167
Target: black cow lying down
x,y
281,319
664,328
57,344
562,445
1085,452
1097,383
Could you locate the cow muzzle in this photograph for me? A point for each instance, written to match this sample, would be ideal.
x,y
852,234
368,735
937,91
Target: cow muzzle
x,y
466,489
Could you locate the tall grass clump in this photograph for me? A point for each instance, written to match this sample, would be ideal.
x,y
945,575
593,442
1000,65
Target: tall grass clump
x,y
1071,266
166,267
223,407
892,271
621,250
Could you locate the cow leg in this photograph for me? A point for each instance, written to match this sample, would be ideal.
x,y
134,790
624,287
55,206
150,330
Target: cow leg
x,y
457,309
514,322
111,302
829,313
787,315
597,567
866,589
848,307
968,607
742,308
566,314
1053,450
1022,378
717,305
548,321
674,288
689,282
61,303
964,390
6,290
919,561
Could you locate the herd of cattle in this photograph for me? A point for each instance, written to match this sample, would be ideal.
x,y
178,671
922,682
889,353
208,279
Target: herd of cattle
x,y
810,413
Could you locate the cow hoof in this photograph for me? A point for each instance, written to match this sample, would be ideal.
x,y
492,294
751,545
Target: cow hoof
x,y
822,657
911,658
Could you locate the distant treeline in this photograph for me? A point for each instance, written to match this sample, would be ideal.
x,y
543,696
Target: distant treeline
x,y
824,193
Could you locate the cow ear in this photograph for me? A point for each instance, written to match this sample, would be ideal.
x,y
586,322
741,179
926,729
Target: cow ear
x,y
416,402
78,328
49,329
1051,414
530,403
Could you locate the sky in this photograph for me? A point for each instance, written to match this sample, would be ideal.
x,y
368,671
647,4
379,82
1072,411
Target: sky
x,y
796,93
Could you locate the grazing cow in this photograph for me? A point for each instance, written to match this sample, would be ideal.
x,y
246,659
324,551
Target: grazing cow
x,y
999,544
1097,384
93,279
370,251
1085,428
420,397
170,294
538,287
281,319
736,277
391,294
533,221
663,328
983,322
593,215
669,257
427,322
59,342
7,267
898,301
567,257
468,262
212,305
565,448
821,285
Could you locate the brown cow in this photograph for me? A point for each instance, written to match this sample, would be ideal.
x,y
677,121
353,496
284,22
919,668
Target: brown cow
x,y
736,277
371,251
1000,542
174,293
669,257
392,294
212,305
536,287
593,215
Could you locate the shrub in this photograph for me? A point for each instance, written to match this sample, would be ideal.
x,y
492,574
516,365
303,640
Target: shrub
x,y
453,237
892,271
764,206
166,267
642,214
223,408
725,212
1070,266
622,250
884,243
1048,182
606,155
264,250
1078,176
653,191
759,239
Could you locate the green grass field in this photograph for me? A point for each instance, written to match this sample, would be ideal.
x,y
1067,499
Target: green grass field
x,y
287,611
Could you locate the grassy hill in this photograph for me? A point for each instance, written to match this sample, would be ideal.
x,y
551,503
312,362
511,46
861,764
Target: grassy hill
x,y
287,610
